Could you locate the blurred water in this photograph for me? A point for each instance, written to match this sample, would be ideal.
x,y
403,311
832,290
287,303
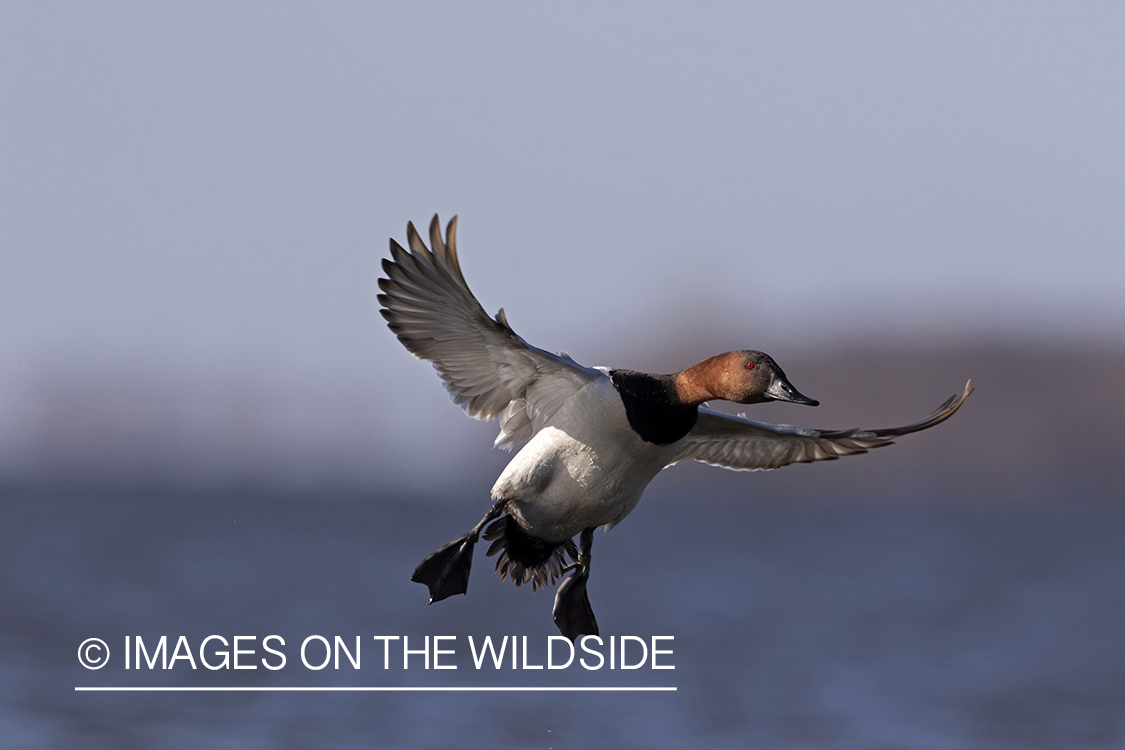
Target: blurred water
x,y
891,621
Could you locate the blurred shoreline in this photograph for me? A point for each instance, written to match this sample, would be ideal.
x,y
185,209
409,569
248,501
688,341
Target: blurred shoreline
x,y
1045,417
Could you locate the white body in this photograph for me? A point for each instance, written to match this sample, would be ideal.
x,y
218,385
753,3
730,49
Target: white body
x,y
586,467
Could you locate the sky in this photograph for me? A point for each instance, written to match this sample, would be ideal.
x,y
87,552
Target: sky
x,y
201,193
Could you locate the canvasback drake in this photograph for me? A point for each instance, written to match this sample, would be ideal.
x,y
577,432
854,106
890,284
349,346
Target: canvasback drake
x,y
595,436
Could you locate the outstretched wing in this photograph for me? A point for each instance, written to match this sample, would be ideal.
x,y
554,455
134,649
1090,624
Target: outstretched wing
x,y
745,445
487,369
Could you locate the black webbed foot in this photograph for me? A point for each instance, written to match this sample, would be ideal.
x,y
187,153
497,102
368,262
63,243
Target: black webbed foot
x,y
446,572
572,612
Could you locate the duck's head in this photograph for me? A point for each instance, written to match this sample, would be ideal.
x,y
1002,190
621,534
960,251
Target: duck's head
x,y
744,376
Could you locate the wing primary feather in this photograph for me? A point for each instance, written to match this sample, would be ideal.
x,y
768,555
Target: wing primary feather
x,y
743,444
483,364
435,237
451,244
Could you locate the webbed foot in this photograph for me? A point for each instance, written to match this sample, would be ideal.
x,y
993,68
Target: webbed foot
x,y
572,612
446,572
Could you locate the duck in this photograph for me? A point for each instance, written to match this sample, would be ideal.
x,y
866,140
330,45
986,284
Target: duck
x,y
592,438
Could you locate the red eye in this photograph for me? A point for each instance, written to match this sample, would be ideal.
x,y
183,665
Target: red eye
x,y
749,365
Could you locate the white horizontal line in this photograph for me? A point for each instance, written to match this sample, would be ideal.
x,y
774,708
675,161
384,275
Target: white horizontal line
x,y
375,689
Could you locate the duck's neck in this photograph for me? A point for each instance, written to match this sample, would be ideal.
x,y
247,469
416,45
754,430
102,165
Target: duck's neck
x,y
654,409
698,383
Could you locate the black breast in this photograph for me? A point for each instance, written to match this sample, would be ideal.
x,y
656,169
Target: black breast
x,y
652,407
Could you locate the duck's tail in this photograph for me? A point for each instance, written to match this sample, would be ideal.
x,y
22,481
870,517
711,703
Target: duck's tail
x,y
524,557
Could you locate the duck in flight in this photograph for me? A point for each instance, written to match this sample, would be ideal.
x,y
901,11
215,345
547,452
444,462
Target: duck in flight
x,y
595,437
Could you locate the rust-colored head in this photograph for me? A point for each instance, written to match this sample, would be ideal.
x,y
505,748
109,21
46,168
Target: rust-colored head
x,y
744,376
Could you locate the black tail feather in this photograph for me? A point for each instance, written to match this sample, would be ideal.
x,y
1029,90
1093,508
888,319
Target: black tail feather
x,y
525,558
